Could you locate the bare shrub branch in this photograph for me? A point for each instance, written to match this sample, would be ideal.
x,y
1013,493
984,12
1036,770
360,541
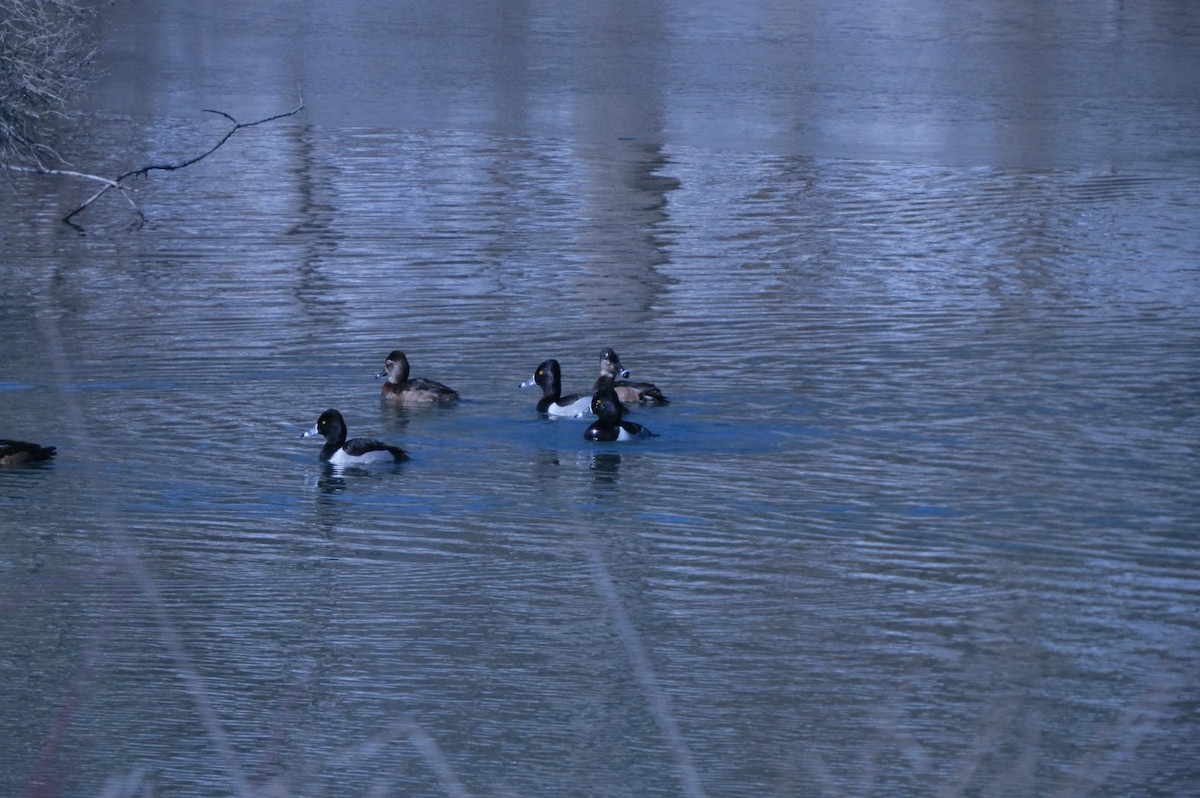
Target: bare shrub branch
x,y
47,48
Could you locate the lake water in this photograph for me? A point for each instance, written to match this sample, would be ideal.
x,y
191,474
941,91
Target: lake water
x,y
921,518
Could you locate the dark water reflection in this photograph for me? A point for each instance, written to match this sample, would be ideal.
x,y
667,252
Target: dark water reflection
x,y
920,518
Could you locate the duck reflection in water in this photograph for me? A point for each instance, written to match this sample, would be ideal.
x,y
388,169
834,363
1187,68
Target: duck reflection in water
x,y
606,467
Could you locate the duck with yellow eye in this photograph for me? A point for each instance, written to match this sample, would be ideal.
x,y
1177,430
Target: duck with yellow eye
x,y
548,377
609,425
356,451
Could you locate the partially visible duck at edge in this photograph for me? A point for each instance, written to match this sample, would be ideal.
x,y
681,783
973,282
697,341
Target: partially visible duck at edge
x,y
21,452
399,387
549,376
609,425
356,451
627,391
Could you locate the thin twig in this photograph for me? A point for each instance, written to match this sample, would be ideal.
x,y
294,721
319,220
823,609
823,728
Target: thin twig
x,y
171,167
45,170
639,658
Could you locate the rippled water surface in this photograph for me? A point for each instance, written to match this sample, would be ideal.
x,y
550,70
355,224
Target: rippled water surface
x,y
921,517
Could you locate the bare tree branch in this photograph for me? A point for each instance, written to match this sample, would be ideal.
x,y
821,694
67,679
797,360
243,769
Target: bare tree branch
x,y
118,182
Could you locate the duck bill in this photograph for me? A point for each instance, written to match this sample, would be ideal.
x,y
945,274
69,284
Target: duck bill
x,y
310,433
528,382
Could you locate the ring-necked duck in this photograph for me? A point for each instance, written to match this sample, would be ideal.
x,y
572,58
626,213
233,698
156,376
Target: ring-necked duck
x,y
609,426
356,451
627,391
399,388
21,452
549,377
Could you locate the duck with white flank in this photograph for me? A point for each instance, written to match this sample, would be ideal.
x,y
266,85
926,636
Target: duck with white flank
x,y
356,451
609,425
549,376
